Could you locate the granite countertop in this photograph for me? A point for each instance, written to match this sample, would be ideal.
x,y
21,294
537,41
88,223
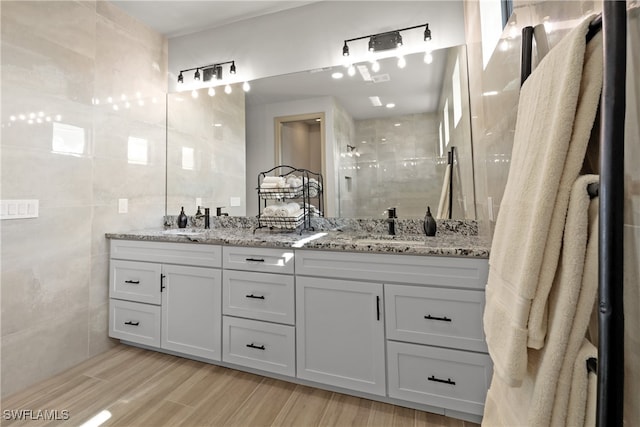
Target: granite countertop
x,y
443,244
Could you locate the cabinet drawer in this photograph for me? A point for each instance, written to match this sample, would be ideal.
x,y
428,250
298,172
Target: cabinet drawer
x,y
259,345
135,281
135,322
266,260
451,379
435,316
412,269
167,252
260,296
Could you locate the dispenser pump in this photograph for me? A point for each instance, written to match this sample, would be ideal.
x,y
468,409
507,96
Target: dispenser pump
x,y
429,223
182,219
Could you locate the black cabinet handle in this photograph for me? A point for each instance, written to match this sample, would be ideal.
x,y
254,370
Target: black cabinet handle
x,y
254,259
132,323
257,347
162,277
378,307
255,296
438,380
132,282
442,319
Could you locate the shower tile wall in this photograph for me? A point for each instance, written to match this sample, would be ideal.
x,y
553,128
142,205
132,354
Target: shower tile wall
x,y
494,97
83,125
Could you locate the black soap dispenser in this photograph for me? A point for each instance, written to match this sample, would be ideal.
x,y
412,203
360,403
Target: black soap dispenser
x,y
429,223
182,219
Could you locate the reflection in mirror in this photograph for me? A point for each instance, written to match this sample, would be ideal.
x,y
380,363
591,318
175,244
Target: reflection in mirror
x,y
206,151
388,131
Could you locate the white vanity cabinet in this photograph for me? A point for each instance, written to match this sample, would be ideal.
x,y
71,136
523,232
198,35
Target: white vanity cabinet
x,y
431,316
166,295
340,333
259,309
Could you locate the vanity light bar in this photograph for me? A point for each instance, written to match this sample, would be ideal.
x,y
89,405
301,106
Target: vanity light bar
x,y
209,72
387,40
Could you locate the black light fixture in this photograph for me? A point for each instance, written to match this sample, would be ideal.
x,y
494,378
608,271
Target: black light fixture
x,y
385,41
427,33
213,71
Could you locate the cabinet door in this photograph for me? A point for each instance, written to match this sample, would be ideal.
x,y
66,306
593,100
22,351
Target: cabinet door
x,y
340,333
191,311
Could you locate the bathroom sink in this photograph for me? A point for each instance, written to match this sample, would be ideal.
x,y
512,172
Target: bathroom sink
x,y
183,232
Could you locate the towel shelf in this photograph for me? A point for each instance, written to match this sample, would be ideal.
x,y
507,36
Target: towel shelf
x,y
310,189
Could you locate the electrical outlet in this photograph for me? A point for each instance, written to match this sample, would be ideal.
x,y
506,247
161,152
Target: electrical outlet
x,y
123,206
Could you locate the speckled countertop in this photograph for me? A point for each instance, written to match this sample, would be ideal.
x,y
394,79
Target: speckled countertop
x,y
454,238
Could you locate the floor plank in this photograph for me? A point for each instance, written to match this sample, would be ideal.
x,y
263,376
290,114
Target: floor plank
x,y
145,388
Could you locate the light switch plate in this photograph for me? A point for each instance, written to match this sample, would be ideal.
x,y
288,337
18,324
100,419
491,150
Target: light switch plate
x,y
20,209
234,201
123,206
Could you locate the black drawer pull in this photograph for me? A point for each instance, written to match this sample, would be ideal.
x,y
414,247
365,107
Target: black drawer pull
x,y
255,296
438,380
254,259
132,323
442,319
132,282
257,347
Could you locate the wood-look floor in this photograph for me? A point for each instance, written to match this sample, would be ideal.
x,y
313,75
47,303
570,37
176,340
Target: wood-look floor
x,y
146,388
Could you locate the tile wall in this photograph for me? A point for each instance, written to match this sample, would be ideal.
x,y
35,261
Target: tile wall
x,y
83,125
494,98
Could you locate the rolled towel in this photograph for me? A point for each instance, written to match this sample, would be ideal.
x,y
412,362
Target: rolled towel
x,y
269,185
287,210
270,210
278,180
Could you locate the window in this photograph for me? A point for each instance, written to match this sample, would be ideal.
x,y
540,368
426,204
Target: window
x,y
457,97
68,140
446,122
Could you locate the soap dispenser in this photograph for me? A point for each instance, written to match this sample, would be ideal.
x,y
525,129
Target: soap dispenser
x,y
182,219
429,223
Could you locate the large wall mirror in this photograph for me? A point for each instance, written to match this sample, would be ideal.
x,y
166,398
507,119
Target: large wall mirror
x,y
389,128
377,155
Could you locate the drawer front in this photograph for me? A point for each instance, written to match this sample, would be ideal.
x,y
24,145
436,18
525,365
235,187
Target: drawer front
x,y
135,322
195,254
259,345
135,281
265,260
460,272
260,296
435,316
451,379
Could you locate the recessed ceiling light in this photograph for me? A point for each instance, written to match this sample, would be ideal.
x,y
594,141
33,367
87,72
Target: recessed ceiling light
x,y
390,105
397,124
337,75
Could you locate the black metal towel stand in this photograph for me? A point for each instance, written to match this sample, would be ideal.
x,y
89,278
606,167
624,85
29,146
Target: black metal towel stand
x,y
610,366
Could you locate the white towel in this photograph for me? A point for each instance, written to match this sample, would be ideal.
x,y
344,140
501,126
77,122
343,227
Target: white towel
x,y
556,112
287,210
582,407
270,210
443,205
542,398
278,180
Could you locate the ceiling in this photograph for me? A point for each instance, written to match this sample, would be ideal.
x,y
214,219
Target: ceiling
x,y
177,18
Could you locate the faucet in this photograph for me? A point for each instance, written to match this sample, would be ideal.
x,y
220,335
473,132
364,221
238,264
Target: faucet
x,y
199,215
219,211
392,221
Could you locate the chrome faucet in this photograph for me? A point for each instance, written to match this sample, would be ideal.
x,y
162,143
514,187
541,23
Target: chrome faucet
x,y
391,221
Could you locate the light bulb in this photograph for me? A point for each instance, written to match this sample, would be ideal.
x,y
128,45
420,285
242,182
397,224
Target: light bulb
x,y
211,91
246,86
375,66
351,70
227,89
194,93
402,62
